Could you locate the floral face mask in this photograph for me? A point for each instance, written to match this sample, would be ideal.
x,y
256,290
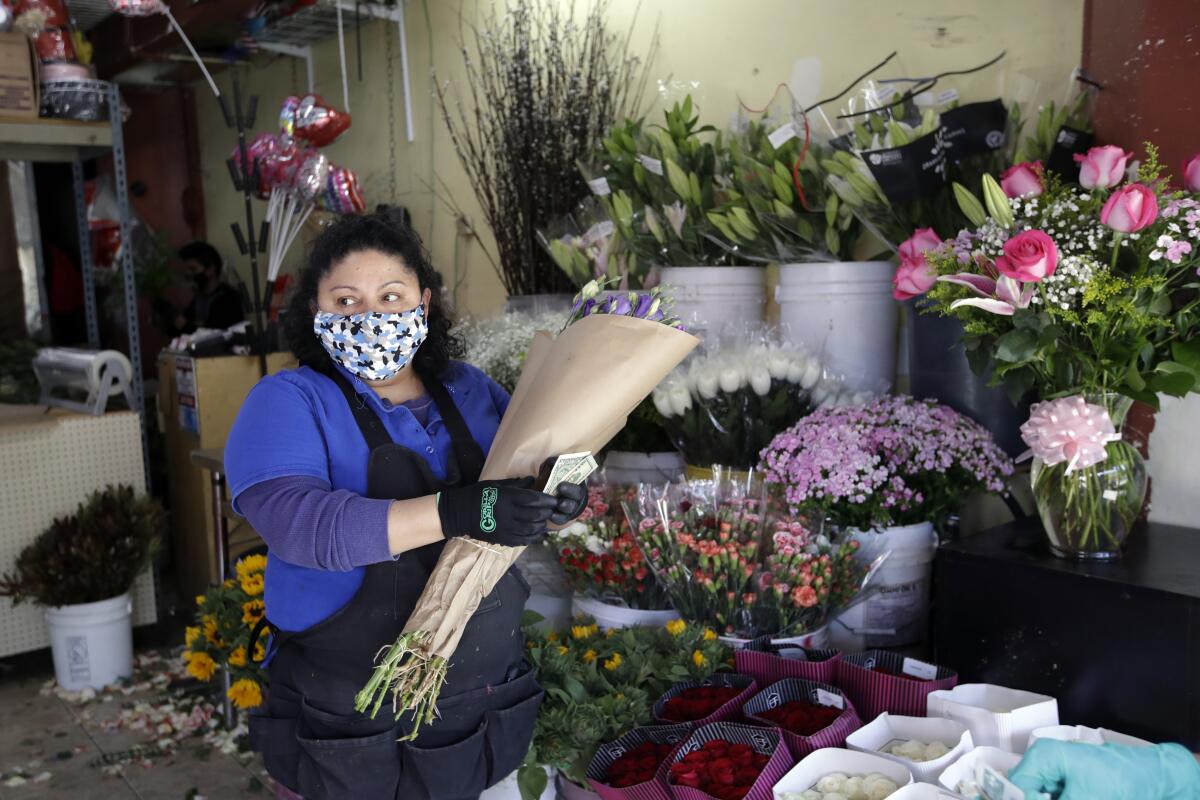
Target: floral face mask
x,y
374,346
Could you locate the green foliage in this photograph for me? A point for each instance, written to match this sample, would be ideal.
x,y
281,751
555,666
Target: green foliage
x,y
91,555
18,383
601,684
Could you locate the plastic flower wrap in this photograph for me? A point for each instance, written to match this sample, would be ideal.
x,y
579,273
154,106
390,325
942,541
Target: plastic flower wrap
x,y
225,615
702,538
603,558
587,246
498,345
725,405
893,461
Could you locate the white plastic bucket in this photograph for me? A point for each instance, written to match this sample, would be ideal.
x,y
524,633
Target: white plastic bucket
x,y
626,468
708,297
897,612
609,616
813,640
92,643
844,310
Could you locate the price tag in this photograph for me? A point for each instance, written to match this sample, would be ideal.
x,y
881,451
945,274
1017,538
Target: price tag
x,y
781,135
948,96
1110,495
919,669
599,186
651,164
825,698
793,653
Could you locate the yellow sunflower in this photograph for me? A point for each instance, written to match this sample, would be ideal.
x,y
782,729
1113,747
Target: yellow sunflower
x,y
238,657
251,611
612,663
676,627
253,584
562,651
584,631
190,635
699,659
589,656
200,666
250,565
709,634
210,628
245,693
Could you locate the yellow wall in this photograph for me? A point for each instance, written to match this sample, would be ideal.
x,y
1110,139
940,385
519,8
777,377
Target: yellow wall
x,y
730,48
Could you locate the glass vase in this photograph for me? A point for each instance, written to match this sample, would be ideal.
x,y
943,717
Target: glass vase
x,y
1088,514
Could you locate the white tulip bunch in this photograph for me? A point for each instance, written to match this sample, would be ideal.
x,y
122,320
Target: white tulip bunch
x,y
724,406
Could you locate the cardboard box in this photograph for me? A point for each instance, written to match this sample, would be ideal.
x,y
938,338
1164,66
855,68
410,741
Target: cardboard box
x,y
18,76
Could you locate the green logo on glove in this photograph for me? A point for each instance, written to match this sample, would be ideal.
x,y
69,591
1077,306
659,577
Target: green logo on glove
x,y
487,520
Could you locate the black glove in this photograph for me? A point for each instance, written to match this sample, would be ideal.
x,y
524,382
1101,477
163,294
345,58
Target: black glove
x,y
508,512
572,500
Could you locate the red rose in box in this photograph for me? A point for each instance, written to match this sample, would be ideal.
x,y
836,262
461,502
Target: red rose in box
x,y
812,715
713,699
720,768
726,761
770,661
629,766
877,681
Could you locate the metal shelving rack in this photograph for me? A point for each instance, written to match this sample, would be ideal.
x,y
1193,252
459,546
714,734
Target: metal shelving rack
x,y
67,141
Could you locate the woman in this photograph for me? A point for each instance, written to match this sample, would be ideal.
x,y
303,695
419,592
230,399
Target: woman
x,y
356,468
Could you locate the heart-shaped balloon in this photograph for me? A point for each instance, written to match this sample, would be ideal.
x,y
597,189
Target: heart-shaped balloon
x,y
342,193
137,8
312,176
317,122
265,150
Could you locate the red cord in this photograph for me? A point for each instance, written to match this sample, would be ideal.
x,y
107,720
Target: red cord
x,y
803,148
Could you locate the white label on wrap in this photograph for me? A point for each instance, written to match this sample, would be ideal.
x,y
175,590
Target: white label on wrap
x,y
651,164
599,186
919,669
826,698
948,96
781,135
884,93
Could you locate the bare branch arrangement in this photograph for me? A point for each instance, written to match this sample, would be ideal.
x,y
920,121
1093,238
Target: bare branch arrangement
x,y
542,90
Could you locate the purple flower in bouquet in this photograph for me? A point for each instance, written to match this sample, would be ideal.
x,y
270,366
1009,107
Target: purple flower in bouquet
x,y
894,461
650,305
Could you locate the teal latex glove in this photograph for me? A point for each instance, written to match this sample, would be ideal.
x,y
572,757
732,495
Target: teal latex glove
x,y
1078,771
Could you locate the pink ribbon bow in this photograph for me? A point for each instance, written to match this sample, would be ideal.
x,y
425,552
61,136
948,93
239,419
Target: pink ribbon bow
x,y
1069,429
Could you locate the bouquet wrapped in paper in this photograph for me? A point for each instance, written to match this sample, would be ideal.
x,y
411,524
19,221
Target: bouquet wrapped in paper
x,y
574,395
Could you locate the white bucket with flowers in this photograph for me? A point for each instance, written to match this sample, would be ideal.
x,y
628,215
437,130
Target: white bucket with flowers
x,y
708,298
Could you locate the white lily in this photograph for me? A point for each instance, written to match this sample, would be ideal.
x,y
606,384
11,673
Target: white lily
x,y
760,380
676,214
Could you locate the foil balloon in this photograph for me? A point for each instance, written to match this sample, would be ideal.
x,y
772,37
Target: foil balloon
x,y
6,17
318,123
136,8
287,116
311,177
262,150
342,193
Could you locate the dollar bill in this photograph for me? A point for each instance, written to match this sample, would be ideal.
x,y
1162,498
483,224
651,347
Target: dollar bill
x,y
570,468
994,785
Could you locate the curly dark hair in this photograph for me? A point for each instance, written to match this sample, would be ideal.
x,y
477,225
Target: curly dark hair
x,y
387,231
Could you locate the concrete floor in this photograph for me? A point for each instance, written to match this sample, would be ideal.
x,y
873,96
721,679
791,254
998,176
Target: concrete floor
x,y
42,733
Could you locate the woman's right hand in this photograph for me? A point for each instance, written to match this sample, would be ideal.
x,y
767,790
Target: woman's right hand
x,y
510,512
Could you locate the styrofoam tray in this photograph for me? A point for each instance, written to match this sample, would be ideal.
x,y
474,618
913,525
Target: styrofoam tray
x,y
887,728
1082,733
996,715
835,759
964,768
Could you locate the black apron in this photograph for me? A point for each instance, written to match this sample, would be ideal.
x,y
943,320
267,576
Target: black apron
x,y
311,738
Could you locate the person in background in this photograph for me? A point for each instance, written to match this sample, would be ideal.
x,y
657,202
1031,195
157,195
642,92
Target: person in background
x,y
216,304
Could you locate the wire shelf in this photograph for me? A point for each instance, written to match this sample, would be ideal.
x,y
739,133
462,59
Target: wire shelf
x,y
318,22
87,14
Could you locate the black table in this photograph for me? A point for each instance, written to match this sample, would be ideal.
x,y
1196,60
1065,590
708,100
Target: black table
x,y
1118,643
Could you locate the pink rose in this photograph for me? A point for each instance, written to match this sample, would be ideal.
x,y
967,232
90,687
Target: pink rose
x,y
1130,209
1023,180
1191,174
916,246
1030,256
1102,167
913,277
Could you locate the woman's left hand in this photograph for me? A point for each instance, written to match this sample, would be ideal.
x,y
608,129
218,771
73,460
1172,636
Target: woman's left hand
x,y
572,500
